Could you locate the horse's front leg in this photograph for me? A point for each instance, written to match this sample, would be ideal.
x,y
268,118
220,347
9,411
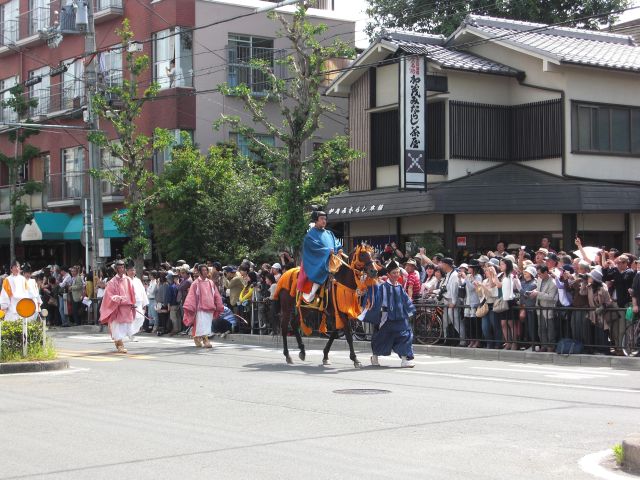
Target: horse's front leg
x,y
285,320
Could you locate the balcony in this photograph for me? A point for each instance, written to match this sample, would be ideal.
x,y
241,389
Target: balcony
x,y
65,189
240,70
105,10
33,201
50,104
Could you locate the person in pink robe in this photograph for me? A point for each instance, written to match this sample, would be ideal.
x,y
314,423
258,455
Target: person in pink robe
x,y
118,307
202,305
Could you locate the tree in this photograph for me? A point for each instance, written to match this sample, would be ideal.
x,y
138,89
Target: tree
x,y
445,16
211,207
23,152
132,148
300,105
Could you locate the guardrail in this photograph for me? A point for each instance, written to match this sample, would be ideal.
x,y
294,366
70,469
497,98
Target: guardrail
x,y
564,329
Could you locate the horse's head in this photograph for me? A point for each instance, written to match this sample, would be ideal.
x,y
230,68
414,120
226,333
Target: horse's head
x,y
362,259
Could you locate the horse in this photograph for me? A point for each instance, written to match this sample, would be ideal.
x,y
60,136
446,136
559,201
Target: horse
x,y
338,301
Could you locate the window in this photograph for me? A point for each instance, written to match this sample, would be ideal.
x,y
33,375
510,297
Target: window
x,y
73,165
245,147
40,91
39,15
173,58
385,138
9,13
113,163
110,67
242,49
605,129
162,157
7,114
72,84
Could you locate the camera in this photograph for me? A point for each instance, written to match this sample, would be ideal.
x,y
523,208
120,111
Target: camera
x,y
443,290
582,276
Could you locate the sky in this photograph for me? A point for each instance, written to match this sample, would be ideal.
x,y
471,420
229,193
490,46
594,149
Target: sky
x,y
355,9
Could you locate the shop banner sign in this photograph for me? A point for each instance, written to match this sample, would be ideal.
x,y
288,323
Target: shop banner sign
x,y
413,103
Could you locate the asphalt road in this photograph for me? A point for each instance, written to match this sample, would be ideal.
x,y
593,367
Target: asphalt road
x,y
169,411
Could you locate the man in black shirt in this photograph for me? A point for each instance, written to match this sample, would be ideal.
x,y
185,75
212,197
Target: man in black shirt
x,y
622,277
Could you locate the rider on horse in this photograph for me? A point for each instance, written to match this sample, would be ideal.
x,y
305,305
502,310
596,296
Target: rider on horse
x,y
318,247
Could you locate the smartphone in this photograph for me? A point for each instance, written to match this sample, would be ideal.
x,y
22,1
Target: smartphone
x,y
523,247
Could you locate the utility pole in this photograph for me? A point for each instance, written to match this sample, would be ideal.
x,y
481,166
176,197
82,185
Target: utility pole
x,y
95,162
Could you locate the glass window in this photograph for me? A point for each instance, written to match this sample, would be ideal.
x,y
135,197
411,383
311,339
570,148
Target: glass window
x,y
110,67
162,157
606,129
73,165
113,163
39,15
245,147
173,58
40,91
10,22
620,124
72,84
242,49
7,114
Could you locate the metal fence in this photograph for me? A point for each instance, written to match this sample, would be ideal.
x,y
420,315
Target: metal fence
x,y
539,329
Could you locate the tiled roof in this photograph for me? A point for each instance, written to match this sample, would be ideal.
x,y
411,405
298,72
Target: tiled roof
x,y
431,47
567,45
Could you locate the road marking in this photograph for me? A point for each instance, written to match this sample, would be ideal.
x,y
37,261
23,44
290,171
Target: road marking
x,y
566,375
67,371
594,370
513,380
101,356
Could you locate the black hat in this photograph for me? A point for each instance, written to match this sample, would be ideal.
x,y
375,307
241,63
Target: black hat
x,y
448,261
568,268
474,263
392,265
552,256
26,267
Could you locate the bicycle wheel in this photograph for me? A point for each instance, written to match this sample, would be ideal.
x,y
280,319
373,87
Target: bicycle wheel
x,y
427,327
631,340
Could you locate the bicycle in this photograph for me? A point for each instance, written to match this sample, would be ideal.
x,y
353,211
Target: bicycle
x,y
427,324
631,340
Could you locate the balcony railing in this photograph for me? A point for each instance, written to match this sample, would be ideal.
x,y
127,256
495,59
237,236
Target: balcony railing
x,y
240,69
57,98
73,186
67,186
39,20
100,5
33,201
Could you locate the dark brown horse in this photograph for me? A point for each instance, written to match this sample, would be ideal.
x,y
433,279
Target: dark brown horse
x,y
337,304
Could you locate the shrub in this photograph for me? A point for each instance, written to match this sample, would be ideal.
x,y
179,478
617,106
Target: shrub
x,y
12,342
618,452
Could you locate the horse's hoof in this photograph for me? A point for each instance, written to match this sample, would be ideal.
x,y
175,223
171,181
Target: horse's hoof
x,y
289,361
326,361
357,364
302,355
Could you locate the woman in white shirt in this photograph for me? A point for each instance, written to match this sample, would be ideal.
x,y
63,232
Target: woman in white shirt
x,y
505,283
490,325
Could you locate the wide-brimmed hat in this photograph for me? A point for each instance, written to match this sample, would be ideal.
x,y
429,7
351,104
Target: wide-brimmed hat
x,y
596,275
483,259
464,265
531,270
411,261
543,250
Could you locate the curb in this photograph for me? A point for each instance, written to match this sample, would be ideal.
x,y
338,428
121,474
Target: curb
x,y
622,363
31,367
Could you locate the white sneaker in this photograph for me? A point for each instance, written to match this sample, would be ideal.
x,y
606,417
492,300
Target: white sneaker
x,y
374,361
406,363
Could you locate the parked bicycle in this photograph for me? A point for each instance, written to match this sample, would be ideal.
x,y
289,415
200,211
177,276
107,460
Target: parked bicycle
x,y
427,323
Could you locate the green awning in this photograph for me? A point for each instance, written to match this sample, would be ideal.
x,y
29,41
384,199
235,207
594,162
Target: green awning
x,y
45,226
74,228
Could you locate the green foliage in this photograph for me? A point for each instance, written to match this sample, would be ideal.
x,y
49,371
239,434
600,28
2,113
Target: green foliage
x,y
211,207
299,101
618,453
432,243
445,16
132,147
12,342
